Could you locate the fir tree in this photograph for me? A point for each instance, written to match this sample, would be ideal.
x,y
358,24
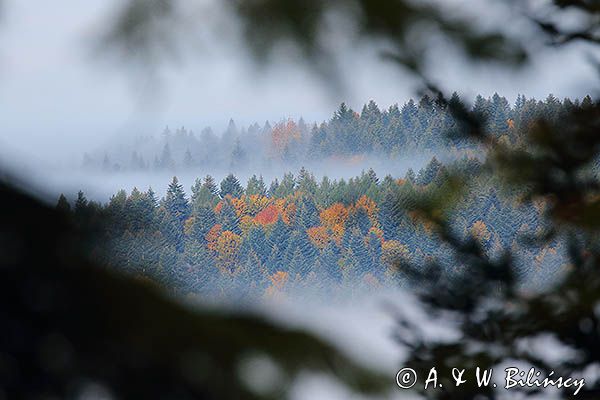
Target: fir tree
x,y
307,215
166,159
328,261
188,161
63,204
238,155
206,195
231,186
176,202
280,235
204,219
229,218
256,186
81,203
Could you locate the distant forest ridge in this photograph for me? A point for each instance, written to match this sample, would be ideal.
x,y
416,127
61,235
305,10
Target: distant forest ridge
x,y
422,125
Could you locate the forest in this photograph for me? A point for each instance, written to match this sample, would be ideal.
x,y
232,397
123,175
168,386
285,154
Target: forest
x,y
300,235
483,255
425,126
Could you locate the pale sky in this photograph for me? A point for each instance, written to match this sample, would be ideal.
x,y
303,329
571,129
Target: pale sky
x,y
58,101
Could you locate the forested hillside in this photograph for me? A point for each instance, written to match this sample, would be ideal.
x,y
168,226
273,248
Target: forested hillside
x,y
260,238
415,127
299,235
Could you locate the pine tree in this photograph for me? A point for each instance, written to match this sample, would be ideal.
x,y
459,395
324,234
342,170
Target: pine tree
x,y
280,235
374,249
275,261
81,204
256,242
307,183
329,261
171,228
287,186
298,265
363,223
389,216
166,159
188,161
228,218
151,197
238,155
307,215
256,186
204,219
273,188
231,186
300,241
361,252
205,195
176,202
429,173
63,204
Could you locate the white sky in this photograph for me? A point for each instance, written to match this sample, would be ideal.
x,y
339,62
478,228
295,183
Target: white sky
x,y
56,101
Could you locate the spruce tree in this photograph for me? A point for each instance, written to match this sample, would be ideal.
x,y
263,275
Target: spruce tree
x,y
204,220
231,186
287,187
329,261
307,215
307,183
81,204
374,249
166,159
63,205
280,235
429,173
361,252
206,195
256,186
176,202
256,241
273,188
275,262
229,218
363,223
238,155
298,265
188,160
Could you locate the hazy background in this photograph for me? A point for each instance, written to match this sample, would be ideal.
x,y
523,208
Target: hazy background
x,y
58,98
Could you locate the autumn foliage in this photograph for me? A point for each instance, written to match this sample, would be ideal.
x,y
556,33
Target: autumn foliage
x,y
267,216
319,236
334,218
212,236
283,134
278,282
227,246
393,252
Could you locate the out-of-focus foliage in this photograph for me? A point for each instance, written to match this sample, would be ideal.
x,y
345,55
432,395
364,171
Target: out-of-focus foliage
x,y
144,28
498,322
71,329
151,30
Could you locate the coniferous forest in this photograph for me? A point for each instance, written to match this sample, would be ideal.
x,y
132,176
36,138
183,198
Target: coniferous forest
x,y
312,243
425,126
297,234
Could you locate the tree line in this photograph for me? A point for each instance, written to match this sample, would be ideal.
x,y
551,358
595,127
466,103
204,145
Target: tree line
x,y
423,125
298,234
